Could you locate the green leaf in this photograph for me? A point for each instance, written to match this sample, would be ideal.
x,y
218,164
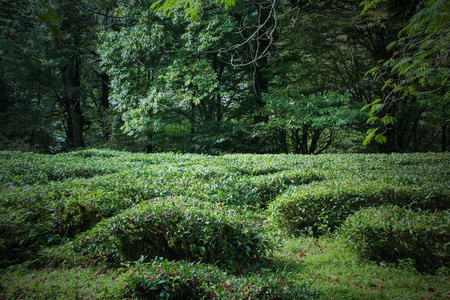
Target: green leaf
x,y
388,119
372,119
375,108
370,104
386,84
381,139
53,15
370,135
373,71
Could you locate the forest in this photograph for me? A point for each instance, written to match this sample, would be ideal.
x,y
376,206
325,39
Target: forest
x,y
300,77
234,149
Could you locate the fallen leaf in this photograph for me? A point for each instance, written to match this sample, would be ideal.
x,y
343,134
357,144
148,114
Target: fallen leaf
x,y
332,277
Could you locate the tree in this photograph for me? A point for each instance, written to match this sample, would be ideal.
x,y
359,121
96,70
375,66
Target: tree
x,y
191,7
175,83
417,72
51,71
27,113
307,124
327,48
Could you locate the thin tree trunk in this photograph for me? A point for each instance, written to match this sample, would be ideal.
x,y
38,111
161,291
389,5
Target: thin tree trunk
x,y
105,106
444,138
75,120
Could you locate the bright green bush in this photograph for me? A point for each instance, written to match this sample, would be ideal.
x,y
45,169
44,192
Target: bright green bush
x,y
165,279
391,233
20,169
323,207
211,183
176,228
46,198
83,208
32,217
269,186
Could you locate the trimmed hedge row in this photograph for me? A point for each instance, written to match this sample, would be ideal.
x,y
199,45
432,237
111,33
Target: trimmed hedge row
x,y
32,217
30,169
392,233
176,228
19,169
320,208
268,187
163,279
45,198
64,209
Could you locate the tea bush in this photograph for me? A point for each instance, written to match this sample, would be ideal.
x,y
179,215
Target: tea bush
x,y
20,169
269,186
392,233
419,169
85,208
40,215
322,207
26,224
176,228
22,234
253,165
165,279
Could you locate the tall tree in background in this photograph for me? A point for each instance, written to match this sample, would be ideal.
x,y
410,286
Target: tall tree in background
x,y
50,69
416,78
327,47
259,76
27,112
182,82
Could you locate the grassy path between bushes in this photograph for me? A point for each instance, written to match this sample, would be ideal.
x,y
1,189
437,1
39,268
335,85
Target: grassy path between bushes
x,y
100,224
325,264
338,273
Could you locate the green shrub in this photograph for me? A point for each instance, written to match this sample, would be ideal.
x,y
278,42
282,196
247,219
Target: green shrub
x,y
23,232
165,279
323,207
392,234
176,228
20,169
269,186
97,153
83,208
211,183
32,217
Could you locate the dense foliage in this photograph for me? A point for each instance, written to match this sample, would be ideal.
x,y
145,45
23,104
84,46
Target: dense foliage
x,y
177,229
224,77
183,80
390,233
170,225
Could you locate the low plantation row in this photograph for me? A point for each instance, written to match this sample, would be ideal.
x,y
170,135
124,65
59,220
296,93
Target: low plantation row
x,y
114,207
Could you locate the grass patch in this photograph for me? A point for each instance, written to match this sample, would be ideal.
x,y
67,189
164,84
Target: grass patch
x,y
332,267
61,283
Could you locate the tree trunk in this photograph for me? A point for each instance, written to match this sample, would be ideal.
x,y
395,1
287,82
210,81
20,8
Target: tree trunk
x,y
105,91
77,123
75,120
444,138
105,106
260,63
